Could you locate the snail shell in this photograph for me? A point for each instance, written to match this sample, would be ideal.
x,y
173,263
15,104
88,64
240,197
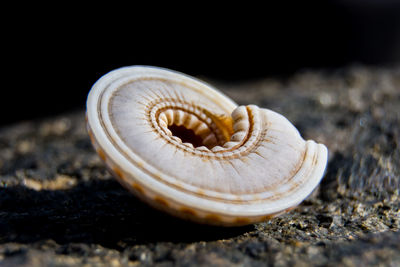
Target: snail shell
x,y
185,148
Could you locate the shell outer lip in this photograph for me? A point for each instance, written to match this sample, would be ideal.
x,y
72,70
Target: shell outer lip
x,y
155,187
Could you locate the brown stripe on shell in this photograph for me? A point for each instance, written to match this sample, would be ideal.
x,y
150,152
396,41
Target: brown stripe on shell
x,y
118,172
161,201
242,221
188,211
92,139
213,219
101,153
138,188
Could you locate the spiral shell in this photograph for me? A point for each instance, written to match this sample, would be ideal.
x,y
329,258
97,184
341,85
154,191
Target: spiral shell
x,y
185,148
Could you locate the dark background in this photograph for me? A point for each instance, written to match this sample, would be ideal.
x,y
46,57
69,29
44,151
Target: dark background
x,y
53,57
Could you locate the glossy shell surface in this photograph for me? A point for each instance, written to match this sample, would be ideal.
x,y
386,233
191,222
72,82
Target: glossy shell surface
x,y
185,148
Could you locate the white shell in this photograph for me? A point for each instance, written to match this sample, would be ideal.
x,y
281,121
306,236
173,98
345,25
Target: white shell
x,y
242,165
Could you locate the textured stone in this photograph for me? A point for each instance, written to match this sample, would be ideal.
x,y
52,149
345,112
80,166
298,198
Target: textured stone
x,y
60,207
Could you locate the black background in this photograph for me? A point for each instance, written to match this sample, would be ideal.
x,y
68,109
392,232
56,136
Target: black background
x,y
53,57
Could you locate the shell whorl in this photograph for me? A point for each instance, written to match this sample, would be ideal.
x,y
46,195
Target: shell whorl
x,y
184,142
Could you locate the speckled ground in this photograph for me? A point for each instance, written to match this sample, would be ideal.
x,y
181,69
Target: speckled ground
x,y
60,207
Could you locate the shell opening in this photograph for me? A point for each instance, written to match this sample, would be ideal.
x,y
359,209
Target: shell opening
x,y
199,129
186,135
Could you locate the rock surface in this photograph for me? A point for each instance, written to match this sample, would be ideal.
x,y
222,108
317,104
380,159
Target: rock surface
x,y
60,207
